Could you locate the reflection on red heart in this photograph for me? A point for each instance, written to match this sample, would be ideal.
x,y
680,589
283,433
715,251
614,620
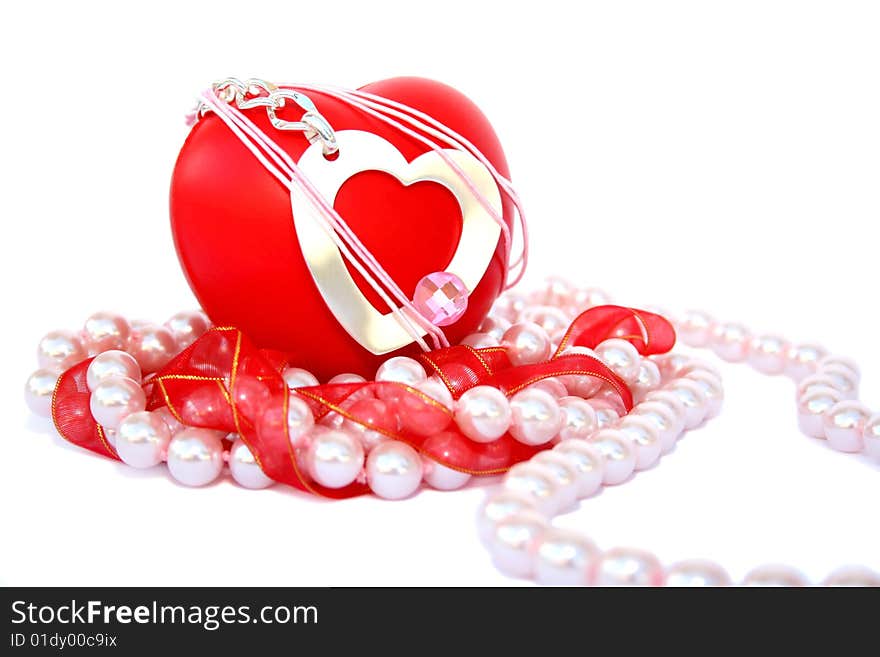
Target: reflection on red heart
x,y
236,241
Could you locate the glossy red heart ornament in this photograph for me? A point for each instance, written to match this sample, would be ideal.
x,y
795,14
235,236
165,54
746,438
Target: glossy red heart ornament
x,y
236,241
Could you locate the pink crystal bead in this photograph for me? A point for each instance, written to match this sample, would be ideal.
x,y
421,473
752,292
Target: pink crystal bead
x,y
441,297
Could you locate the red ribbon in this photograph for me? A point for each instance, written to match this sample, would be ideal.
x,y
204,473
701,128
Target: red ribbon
x,y
224,382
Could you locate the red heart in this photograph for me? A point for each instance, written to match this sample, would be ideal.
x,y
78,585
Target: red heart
x,y
236,242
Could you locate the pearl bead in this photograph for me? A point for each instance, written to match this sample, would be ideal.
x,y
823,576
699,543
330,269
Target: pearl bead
x,y
401,369
60,350
713,389
693,398
537,481
695,328
556,291
509,306
843,378
775,575
441,477
619,454
588,462
514,541
347,378
664,418
186,327
424,414
39,390
394,470
645,437
105,331
871,437
244,468
696,572
852,576
536,417
623,358
815,382
499,506
481,341
648,379
441,297
628,567
297,377
152,346
113,400
110,364
811,409
300,420
579,418
566,475
606,413
675,405
374,417
552,386
195,456
802,360
168,418
767,354
552,320
334,458
843,425
495,327
590,297
526,343
834,362
142,439
564,558
730,342
483,414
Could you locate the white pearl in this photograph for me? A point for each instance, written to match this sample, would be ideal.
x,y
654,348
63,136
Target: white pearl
x,y
619,454
566,475
672,364
39,390
730,342
296,377
815,382
711,385
187,326
803,359
775,575
628,567
564,558
334,458
664,419
871,438
536,417
494,327
695,328
553,320
142,439
441,477
696,572
245,469
580,418
835,362
588,463
843,425
152,346
648,379
585,298
537,481
60,350
195,456
606,413
498,506
811,409
105,331
526,343
852,576
483,414
843,378
347,377
109,364
300,420
623,358
114,399
673,402
394,470
645,437
694,399
401,369
767,354
514,541
481,341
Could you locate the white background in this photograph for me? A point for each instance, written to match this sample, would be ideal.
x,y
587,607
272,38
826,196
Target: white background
x,y
716,155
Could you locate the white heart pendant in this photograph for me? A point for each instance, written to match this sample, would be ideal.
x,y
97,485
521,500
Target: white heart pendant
x,y
360,151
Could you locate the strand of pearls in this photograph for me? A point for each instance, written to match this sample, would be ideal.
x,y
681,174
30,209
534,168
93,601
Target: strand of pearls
x,y
675,393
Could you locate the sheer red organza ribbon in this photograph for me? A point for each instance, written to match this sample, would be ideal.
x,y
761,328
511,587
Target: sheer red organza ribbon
x,y
224,382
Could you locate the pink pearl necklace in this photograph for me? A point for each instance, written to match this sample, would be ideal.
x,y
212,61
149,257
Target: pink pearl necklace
x,y
593,445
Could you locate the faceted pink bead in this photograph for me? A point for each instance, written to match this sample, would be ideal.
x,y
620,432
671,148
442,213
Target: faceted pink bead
x,y
441,297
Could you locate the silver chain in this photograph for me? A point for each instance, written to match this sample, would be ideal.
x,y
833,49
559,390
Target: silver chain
x,y
253,92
